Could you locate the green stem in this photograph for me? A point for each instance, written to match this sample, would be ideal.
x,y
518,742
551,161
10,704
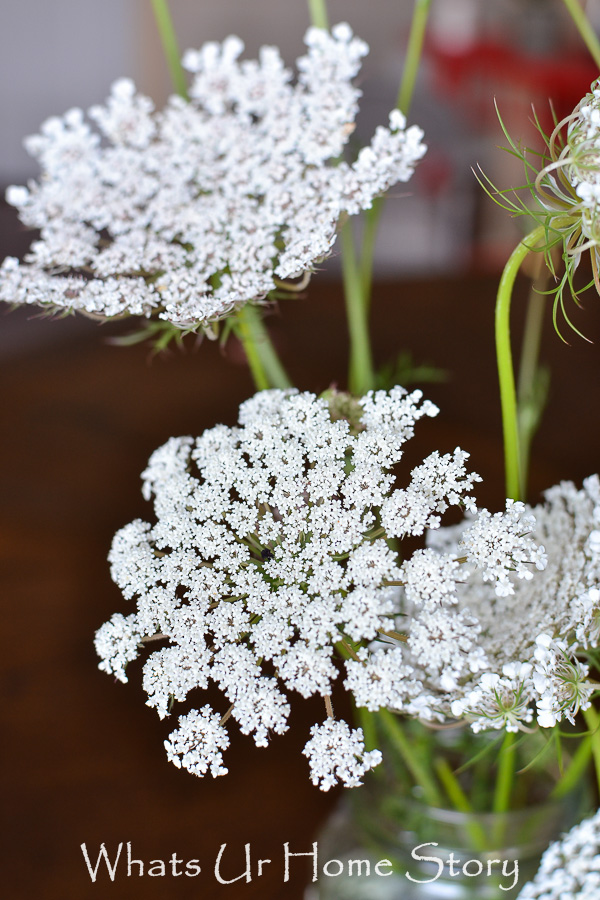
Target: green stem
x,y
405,95
264,363
508,397
506,774
318,13
276,373
164,23
532,389
592,720
422,777
531,342
361,377
367,723
575,770
460,801
503,789
413,54
451,785
585,29
371,224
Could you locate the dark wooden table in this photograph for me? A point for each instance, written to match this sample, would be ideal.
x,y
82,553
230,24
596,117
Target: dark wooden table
x,y
83,760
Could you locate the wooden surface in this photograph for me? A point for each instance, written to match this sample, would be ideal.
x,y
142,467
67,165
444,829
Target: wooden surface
x,y
82,756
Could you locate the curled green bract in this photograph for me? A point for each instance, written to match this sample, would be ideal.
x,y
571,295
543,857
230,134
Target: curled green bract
x,y
562,196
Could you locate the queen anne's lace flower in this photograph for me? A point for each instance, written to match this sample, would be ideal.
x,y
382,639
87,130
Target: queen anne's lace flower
x,y
335,753
499,701
560,681
197,743
488,543
268,561
570,867
190,212
117,643
527,634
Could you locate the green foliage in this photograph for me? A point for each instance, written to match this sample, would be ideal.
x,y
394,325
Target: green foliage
x,y
403,370
158,332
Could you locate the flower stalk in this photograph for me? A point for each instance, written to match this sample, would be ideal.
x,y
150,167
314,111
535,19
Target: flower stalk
x,y
533,379
592,720
406,91
164,23
361,376
414,52
461,803
318,13
575,771
585,29
395,734
506,774
265,365
508,396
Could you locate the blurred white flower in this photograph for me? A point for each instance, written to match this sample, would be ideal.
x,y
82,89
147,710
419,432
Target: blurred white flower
x,y
527,633
570,867
190,212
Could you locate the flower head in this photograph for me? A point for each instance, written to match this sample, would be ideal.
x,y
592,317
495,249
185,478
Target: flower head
x,y
531,669
560,680
336,753
197,743
267,561
190,212
570,867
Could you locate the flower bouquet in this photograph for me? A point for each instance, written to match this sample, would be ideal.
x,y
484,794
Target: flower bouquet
x,y
295,553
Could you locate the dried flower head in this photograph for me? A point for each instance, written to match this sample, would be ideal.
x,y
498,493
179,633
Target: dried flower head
x,y
190,212
269,564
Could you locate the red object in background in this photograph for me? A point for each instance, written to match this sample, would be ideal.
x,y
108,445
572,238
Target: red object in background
x,y
488,68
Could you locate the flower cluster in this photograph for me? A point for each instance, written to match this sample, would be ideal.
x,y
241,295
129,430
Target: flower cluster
x,y
270,562
499,676
570,867
190,212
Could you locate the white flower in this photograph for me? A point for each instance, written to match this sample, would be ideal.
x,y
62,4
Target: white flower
x,y
196,745
531,633
189,212
559,679
260,708
439,482
430,578
496,545
581,160
116,643
266,561
170,673
570,867
444,641
499,701
380,679
336,753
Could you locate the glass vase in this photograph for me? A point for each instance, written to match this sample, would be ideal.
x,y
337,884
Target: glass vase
x,y
385,843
